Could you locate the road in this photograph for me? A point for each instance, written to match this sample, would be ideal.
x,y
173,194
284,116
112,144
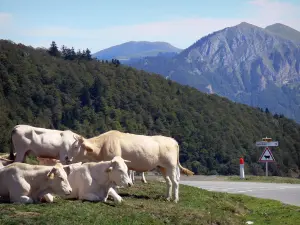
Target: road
x,y
286,193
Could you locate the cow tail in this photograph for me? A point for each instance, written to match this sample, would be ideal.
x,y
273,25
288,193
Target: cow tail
x,y
11,153
182,169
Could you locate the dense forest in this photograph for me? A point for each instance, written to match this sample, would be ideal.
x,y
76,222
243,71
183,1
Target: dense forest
x,y
90,97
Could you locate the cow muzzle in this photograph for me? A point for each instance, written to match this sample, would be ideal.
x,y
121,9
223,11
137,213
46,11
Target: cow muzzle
x,y
68,192
68,161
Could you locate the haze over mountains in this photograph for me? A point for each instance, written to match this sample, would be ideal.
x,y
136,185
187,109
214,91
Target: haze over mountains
x,y
256,66
135,50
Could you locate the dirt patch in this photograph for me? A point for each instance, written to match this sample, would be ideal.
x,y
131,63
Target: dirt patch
x,y
27,214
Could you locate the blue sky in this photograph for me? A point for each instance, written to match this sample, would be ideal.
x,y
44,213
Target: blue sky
x,y
101,24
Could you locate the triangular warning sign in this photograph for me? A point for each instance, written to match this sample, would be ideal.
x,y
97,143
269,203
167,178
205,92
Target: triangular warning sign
x,y
267,156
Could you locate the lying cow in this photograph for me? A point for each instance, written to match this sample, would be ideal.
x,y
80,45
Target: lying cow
x,y
25,183
144,152
95,181
51,162
41,142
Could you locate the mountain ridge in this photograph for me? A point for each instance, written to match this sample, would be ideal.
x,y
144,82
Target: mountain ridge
x,y
284,31
244,63
135,49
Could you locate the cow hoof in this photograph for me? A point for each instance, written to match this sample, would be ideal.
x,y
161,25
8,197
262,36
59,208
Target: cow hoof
x,y
119,201
168,199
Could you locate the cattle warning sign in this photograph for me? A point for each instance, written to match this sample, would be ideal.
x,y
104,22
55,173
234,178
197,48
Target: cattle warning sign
x,y
267,156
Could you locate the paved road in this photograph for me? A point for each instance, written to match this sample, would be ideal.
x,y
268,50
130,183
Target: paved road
x,y
286,193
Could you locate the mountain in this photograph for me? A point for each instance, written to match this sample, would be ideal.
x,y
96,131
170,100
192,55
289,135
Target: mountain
x,y
284,31
244,63
136,49
91,97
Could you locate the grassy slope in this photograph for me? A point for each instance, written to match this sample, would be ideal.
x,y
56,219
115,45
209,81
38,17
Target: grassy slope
x,y
144,205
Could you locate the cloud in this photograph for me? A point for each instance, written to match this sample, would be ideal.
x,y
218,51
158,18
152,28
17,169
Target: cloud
x,y
270,11
181,32
5,23
5,18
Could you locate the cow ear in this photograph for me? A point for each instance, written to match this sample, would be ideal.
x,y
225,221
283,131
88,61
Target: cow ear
x,y
80,139
52,173
67,169
88,149
127,161
109,169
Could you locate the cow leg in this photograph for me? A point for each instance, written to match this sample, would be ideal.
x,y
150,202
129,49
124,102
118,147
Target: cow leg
x,y
21,147
18,192
20,156
175,183
21,199
90,197
47,198
131,175
115,195
168,182
143,178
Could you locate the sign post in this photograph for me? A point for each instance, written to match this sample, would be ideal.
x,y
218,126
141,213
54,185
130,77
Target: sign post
x,y
242,172
267,155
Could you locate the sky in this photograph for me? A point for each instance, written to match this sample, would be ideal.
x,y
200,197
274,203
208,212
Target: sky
x,y
99,24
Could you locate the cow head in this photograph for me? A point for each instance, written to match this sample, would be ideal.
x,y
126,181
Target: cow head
x,y
79,146
58,180
118,172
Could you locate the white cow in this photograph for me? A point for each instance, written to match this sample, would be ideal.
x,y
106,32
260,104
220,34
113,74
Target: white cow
x,y
42,142
95,181
144,152
25,183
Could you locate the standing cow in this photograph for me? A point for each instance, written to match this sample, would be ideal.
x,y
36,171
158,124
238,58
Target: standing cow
x,y
144,152
42,142
25,183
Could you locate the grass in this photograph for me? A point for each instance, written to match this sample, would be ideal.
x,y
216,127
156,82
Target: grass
x,y
269,179
144,204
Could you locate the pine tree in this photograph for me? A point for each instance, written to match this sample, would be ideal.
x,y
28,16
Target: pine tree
x,y
53,50
88,55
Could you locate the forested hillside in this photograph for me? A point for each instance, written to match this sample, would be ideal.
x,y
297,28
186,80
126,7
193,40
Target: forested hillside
x,y
48,89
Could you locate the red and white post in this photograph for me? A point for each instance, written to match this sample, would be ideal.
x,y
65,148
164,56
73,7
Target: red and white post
x,y
242,172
